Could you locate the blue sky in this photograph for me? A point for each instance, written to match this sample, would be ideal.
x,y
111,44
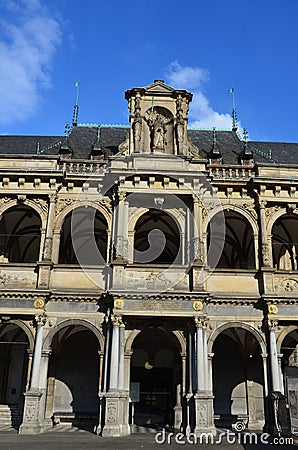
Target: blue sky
x,y
206,47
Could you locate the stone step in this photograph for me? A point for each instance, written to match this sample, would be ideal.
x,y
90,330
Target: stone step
x,y
10,415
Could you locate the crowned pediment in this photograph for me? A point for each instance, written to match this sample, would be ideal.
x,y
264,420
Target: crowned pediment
x,y
159,87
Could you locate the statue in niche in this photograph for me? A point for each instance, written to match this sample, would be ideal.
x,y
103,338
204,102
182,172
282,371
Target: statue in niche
x,y
137,133
158,127
180,134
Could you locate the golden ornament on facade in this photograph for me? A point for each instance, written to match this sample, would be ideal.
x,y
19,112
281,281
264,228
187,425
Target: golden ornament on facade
x,y
197,305
272,309
39,303
118,303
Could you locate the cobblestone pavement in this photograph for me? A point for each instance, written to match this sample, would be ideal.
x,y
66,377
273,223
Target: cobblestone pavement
x,y
74,439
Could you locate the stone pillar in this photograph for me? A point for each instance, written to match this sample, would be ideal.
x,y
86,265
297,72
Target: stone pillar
x,y
32,422
47,251
265,248
189,394
121,357
198,238
266,389
121,235
275,376
116,399
114,364
203,397
45,266
281,381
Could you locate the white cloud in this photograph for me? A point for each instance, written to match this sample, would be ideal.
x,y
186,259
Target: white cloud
x,y
29,39
201,114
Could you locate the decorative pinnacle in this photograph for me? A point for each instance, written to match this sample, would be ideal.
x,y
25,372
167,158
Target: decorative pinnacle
x,y
234,113
76,106
67,129
215,148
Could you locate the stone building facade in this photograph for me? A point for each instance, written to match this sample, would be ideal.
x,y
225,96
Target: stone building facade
x,y
148,275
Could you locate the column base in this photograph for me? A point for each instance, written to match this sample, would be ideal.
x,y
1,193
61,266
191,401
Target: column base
x,y
116,414
31,422
204,413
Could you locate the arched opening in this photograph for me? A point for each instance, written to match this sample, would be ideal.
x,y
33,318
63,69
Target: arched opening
x,y
238,379
157,239
289,364
73,378
238,251
20,235
84,237
285,242
13,374
156,371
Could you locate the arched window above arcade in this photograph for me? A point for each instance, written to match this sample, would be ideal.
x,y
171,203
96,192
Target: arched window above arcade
x,y
157,239
20,232
285,242
83,238
234,240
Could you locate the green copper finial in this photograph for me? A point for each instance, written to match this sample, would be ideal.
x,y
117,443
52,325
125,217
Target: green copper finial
x,y
67,129
234,113
214,137
76,106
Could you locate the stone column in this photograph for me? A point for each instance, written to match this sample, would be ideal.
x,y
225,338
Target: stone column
x,y
121,356
32,423
114,364
47,251
121,238
265,248
198,238
190,382
275,377
266,390
203,397
116,399
281,381
44,267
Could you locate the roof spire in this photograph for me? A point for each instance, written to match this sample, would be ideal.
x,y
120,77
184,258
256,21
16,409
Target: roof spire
x,y
76,106
234,113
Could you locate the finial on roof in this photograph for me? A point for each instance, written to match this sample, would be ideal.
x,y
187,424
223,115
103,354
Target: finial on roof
x,y
234,113
67,130
38,149
215,148
76,106
246,156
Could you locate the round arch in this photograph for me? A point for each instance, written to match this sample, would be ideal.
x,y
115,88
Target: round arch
x,y
281,212
244,326
31,204
234,208
180,338
87,203
27,331
284,333
174,214
72,322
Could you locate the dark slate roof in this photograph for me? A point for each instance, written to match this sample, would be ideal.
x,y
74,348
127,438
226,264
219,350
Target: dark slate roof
x,y
281,152
27,145
83,138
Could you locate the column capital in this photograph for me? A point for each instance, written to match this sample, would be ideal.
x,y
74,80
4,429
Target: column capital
x,y
53,198
121,196
272,325
117,321
262,204
40,319
202,322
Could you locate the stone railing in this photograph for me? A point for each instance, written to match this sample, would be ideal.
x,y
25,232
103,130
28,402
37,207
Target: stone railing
x,y
230,172
81,167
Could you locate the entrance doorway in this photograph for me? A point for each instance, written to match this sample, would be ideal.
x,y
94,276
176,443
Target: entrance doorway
x,y
156,368
13,374
238,379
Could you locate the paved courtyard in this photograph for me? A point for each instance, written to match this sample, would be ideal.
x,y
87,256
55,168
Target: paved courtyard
x,y
74,439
